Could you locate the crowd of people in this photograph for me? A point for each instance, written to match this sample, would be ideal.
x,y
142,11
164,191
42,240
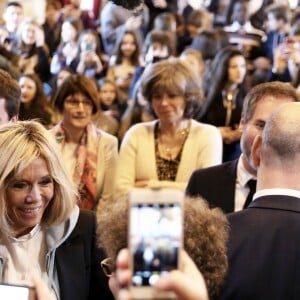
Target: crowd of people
x,y
239,44
159,94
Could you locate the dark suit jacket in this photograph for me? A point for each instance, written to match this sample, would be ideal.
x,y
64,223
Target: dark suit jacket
x,y
216,184
264,251
78,263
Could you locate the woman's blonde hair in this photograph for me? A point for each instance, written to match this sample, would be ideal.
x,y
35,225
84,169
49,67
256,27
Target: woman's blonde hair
x,y
21,143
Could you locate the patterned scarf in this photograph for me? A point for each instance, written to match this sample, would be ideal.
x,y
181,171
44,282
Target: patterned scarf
x,y
86,160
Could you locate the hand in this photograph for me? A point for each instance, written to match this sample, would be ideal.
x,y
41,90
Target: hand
x,y
280,58
133,23
187,284
141,183
42,291
295,55
230,135
89,57
70,51
159,52
160,3
124,81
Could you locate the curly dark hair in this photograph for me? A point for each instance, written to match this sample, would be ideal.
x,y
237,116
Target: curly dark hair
x,y
205,236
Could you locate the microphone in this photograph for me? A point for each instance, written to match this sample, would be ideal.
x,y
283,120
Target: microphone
x,y
128,4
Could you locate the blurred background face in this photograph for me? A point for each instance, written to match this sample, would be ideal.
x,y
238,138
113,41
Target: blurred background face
x,y
240,13
12,17
255,125
77,111
107,94
128,45
52,12
29,34
61,76
272,22
168,107
28,89
156,51
195,64
76,3
88,43
68,32
236,69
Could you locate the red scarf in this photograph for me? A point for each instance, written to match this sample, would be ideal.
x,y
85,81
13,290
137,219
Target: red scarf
x,y
86,161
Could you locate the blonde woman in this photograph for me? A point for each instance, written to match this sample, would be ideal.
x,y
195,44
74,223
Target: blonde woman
x,y
42,230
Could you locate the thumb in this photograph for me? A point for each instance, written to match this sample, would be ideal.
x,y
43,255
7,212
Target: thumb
x,y
184,287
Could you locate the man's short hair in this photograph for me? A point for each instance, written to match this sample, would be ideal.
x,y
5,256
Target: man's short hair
x,y
275,89
14,3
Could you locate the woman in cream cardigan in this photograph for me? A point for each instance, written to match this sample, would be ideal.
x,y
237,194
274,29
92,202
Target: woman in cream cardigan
x,y
165,152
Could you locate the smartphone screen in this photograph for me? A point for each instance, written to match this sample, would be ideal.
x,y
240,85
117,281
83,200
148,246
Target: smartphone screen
x,y
9,292
89,47
155,240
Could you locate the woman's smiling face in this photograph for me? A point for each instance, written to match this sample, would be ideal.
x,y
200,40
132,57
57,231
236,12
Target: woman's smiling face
x,y
28,195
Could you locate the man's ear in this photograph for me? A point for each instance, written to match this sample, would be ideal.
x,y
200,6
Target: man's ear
x,y
14,118
256,151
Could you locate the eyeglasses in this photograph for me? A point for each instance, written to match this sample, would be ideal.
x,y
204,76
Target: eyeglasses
x,y
74,103
108,266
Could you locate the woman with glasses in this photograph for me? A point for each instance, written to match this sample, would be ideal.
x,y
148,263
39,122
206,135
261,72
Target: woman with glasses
x,y
90,154
42,230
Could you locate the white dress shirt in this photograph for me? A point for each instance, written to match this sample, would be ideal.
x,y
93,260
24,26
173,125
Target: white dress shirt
x,y
241,188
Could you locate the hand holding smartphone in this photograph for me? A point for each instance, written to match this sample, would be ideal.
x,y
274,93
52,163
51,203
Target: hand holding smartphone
x,y
155,238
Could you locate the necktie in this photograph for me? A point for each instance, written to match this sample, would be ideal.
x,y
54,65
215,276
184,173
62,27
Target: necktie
x,y
252,186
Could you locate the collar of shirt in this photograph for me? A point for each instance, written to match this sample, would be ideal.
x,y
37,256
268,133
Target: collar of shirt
x,y
235,26
241,188
277,191
36,229
243,176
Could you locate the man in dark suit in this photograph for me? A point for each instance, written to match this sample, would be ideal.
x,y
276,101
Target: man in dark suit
x,y
264,243
227,185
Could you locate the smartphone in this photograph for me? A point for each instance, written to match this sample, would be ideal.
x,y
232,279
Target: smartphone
x,y
20,292
89,47
155,239
288,45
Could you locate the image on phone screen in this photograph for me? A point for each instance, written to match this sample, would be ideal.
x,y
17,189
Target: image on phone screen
x,y
155,240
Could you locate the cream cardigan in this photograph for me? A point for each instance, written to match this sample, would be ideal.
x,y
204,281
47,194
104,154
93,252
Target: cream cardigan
x,y
202,148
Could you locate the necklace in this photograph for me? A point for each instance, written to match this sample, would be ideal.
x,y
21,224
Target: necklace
x,y
172,148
